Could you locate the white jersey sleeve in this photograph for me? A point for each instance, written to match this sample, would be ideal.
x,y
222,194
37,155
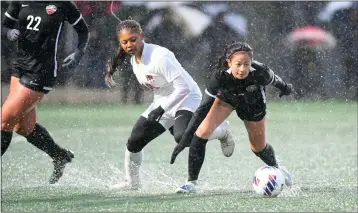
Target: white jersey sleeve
x,y
172,72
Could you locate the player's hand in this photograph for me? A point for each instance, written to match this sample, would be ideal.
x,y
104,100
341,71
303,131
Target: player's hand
x,y
287,90
73,59
259,66
13,34
156,114
180,147
108,79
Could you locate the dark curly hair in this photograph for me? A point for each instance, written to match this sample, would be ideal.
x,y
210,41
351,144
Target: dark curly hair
x,y
129,24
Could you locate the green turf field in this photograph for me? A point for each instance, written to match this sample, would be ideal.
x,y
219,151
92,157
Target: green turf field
x,y
316,141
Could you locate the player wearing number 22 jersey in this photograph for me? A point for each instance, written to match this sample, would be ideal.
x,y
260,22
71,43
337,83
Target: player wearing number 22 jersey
x,y
38,29
40,25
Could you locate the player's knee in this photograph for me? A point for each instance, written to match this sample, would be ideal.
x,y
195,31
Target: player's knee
x,y
12,112
134,146
8,121
19,130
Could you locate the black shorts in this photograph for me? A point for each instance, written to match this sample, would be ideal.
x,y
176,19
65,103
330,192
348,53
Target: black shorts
x,y
251,112
248,106
41,79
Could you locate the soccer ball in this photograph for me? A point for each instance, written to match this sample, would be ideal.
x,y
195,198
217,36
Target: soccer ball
x,y
268,181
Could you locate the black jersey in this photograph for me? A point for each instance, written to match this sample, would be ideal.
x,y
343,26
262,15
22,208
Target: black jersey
x,y
40,24
247,96
236,92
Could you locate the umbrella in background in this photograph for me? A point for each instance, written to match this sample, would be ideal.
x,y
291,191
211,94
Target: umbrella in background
x,y
332,7
311,37
214,9
154,5
192,21
163,5
234,20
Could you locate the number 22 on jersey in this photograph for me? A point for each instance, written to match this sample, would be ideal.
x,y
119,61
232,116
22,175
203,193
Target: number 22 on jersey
x,y
34,22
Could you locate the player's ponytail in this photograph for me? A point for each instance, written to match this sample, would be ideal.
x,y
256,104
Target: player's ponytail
x,y
222,64
117,60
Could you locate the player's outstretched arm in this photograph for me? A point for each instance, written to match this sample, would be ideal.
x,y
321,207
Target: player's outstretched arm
x,y
267,76
285,88
81,29
74,17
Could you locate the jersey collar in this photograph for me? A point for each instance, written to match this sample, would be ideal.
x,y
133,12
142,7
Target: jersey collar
x,y
144,53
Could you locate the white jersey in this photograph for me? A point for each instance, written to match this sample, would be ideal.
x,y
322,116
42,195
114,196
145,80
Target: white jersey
x,y
174,89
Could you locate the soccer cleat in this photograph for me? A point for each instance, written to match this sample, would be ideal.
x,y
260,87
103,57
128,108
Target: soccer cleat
x,y
189,187
59,165
286,174
126,186
227,142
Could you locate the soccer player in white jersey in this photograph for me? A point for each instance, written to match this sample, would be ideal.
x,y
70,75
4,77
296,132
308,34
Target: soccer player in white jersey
x,y
176,97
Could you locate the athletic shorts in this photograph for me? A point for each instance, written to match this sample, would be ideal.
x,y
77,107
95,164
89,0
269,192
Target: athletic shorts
x,y
41,79
248,107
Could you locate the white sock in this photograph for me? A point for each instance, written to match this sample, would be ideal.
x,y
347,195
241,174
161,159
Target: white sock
x,y
132,163
194,182
220,131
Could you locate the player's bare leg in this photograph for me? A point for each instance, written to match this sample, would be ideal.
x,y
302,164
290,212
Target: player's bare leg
x,y
20,101
24,118
257,136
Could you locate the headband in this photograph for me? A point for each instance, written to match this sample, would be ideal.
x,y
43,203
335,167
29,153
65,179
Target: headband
x,y
237,52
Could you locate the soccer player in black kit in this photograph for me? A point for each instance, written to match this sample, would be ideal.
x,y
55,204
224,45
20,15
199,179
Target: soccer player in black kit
x,y
238,83
35,68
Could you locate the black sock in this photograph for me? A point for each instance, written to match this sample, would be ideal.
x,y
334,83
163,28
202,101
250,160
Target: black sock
x,y
5,141
267,155
196,157
42,139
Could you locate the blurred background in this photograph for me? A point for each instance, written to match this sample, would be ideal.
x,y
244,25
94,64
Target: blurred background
x,y
313,45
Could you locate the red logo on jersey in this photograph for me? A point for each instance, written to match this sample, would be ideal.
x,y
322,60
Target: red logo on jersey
x,y
149,77
51,9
